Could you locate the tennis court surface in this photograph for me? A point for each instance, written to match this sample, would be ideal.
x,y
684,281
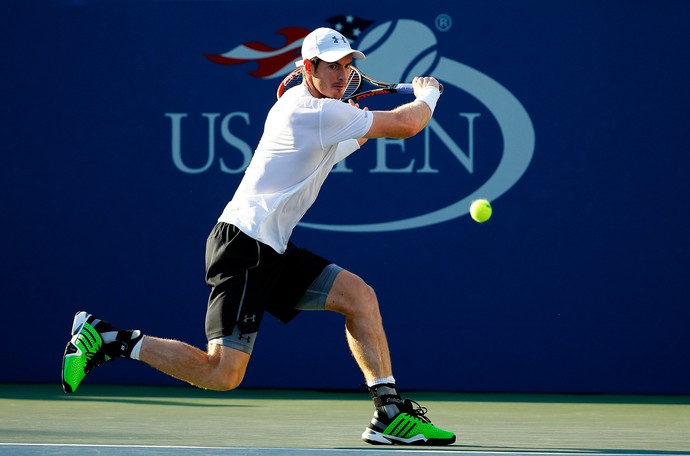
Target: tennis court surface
x,y
127,420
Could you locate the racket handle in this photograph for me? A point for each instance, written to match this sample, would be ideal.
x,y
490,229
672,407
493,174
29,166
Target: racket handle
x,y
404,88
407,89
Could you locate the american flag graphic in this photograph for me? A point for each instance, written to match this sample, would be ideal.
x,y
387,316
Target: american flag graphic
x,y
276,62
350,26
273,62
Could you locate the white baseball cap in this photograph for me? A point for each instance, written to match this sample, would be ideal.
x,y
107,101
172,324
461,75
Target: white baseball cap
x,y
328,45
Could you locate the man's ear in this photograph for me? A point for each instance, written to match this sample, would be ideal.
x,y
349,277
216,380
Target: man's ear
x,y
308,66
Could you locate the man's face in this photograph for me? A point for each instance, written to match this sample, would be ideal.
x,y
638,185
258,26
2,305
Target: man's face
x,y
330,78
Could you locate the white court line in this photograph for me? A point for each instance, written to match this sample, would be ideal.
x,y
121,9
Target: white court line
x,y
54,449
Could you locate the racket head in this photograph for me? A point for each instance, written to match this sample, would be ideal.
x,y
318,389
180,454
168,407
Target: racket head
x,y
291,80
354,82
296,77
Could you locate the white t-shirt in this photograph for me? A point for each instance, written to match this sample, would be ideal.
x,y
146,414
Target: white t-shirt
x,y
304,137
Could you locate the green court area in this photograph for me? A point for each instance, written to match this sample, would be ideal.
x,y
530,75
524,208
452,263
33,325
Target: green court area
x,y
188,417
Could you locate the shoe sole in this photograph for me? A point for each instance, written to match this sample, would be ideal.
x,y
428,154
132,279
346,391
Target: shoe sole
x,y
78,322
378,438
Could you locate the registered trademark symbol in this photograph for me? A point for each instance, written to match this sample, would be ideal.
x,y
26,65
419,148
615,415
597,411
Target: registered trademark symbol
x,y
443,22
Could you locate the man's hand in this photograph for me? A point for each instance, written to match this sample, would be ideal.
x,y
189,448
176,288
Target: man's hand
x,y
425,81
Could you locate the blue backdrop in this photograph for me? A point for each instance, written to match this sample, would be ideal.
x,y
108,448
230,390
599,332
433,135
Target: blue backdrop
x,y
126,126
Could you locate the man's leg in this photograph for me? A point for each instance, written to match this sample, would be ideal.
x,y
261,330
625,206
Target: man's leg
x,y
95,341
395,421
357,301
221,368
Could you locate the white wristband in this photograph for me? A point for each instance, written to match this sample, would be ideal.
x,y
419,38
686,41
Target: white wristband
x,y
429,95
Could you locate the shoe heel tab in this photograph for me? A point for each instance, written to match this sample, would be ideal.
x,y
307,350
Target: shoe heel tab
x,y
79,320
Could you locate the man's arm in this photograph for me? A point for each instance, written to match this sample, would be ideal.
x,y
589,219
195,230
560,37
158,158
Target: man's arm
x,y
406,120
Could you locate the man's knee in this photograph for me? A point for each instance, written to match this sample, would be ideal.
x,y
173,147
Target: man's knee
x,y
351,295
228,380
230,366
367,299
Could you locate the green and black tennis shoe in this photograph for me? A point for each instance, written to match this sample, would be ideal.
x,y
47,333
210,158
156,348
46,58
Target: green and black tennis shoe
x,y
409,427
84,351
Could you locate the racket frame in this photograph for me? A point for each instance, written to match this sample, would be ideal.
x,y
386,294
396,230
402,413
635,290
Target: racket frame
x,y
357,78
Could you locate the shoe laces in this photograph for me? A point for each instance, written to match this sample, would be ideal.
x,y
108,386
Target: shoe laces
x,y
414,409
94,353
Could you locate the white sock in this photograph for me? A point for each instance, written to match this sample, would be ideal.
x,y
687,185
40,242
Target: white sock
x,y
137,348
378,381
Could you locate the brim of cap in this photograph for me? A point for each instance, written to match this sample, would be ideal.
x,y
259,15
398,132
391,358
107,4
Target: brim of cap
x,y
334,56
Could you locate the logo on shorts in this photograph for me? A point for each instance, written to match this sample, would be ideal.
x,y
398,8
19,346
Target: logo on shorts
x,y
248,318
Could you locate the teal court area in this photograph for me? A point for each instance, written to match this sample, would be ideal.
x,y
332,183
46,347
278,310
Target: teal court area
x,y
127,420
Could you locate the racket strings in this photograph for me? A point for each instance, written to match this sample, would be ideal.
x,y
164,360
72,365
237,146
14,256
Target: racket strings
x,y
353,83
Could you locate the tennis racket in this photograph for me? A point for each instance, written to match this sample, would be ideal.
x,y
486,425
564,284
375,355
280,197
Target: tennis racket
x,y
359,85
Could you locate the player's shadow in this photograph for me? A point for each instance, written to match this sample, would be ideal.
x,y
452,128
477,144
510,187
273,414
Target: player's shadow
x,y
157,401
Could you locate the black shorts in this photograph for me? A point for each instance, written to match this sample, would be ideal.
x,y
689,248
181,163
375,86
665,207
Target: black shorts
x,y
248,278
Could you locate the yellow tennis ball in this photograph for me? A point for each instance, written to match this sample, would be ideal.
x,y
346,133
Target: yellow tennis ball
x,y
480,210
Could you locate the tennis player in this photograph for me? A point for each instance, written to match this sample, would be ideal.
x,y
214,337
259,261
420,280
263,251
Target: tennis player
x,y
252,267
